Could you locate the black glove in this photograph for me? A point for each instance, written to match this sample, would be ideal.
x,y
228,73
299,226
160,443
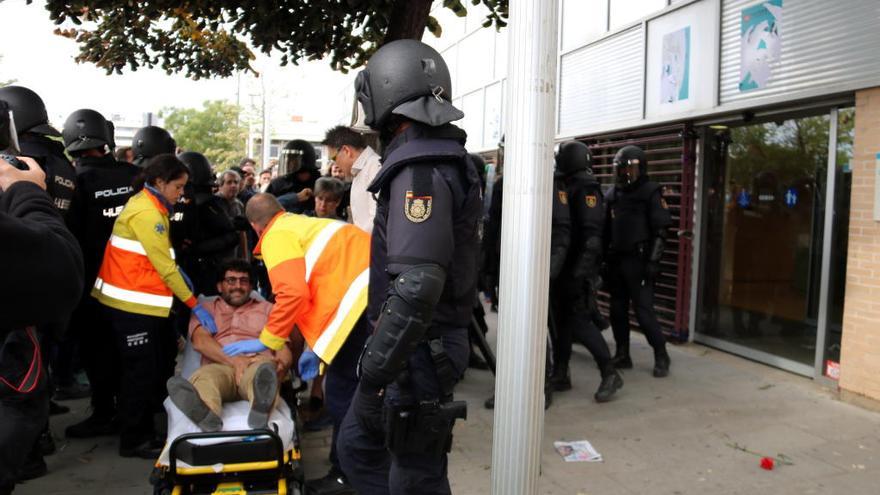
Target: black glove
x,y
367,408
240,223
652,270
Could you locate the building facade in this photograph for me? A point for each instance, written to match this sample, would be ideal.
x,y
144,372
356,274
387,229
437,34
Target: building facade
x,y
762,119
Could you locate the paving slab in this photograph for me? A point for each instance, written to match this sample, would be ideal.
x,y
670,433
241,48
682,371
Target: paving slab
x,y
679,435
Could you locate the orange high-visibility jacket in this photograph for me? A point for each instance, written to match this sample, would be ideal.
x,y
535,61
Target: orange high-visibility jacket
x,y
319,269
139,274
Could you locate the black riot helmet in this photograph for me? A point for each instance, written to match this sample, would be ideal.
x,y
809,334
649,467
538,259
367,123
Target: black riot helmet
x,y
200,173
573,157
85,129
150,141
29,109
408,78
297,155
630,164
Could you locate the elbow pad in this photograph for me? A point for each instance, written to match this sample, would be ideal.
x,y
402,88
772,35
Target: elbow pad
x,y
405,319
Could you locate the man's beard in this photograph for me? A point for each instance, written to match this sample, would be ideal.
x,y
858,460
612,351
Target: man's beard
x,y
235,297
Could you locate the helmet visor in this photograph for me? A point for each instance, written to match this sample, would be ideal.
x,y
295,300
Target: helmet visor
x,y
289,162
364,96
626,171
8,134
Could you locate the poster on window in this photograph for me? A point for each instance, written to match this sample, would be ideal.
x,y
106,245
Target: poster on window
x,y
760,44
676,59
682,61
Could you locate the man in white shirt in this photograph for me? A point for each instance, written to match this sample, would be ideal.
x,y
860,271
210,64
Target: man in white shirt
x,y
348,149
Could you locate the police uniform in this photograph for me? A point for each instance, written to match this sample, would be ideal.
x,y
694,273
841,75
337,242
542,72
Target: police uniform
x,y
428,209
60,174
637,220
103,187
574,291
49,270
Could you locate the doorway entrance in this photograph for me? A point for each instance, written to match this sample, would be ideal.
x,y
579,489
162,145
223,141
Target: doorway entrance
x,y
771,277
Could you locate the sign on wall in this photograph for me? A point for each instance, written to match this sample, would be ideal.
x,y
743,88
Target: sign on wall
x,y
761,44
682,60
674,78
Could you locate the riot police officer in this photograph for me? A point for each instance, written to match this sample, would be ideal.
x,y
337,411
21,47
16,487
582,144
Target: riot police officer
x,y
150,141
33,127
638,218
103,186
422,277
210,234
298,172
573,292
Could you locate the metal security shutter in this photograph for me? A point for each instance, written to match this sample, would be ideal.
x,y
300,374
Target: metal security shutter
x,y
671,154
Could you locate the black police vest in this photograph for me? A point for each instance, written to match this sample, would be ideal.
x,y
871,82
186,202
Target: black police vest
x,y
630,216
456,303
103,187
60,174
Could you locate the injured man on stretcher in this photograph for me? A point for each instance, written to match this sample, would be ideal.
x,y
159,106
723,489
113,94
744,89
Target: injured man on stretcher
x,y
232,367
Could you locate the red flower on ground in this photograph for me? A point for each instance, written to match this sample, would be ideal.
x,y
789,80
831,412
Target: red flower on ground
x,y
767,463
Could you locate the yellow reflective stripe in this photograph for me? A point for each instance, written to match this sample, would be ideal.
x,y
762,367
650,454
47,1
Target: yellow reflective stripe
x,y
131,245
350,309
132,296
271,340
317,246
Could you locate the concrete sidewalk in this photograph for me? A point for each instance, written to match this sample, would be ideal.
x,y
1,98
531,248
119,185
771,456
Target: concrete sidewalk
x,y
676,435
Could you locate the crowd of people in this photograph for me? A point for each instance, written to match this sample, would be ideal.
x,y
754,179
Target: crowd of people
x,y
371,269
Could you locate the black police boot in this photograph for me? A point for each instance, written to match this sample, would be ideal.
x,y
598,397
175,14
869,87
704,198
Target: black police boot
x,y
661,364
561,379
611,382
621,359
490,403
95,425
147,450
73,391
334,483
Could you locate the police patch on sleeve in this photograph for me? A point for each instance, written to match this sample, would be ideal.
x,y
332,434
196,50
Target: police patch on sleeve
x,y
417,208
591,200
563,197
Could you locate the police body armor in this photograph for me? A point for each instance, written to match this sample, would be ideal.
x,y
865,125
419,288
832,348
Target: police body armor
x,y
60,174
448,158
103,187
630,221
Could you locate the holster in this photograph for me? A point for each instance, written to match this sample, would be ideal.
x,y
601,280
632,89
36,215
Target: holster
x,y
423,428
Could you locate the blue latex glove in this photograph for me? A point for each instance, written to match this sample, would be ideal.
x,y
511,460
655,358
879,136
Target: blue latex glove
x,y
308,365
205,319
252,346
189,282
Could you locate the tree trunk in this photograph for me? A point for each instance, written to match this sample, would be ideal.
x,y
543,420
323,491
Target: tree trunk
x,y
408,20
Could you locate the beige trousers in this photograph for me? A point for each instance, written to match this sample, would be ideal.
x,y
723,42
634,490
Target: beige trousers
x,y
215,384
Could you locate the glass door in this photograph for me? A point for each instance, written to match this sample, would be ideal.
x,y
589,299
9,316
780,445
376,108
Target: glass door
x,y
761,273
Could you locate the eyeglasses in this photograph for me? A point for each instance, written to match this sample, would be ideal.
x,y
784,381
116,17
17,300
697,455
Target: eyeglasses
x,y
237,280
334,155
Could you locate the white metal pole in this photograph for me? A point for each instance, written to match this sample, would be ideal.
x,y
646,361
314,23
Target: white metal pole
x,y
267,136
525,252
